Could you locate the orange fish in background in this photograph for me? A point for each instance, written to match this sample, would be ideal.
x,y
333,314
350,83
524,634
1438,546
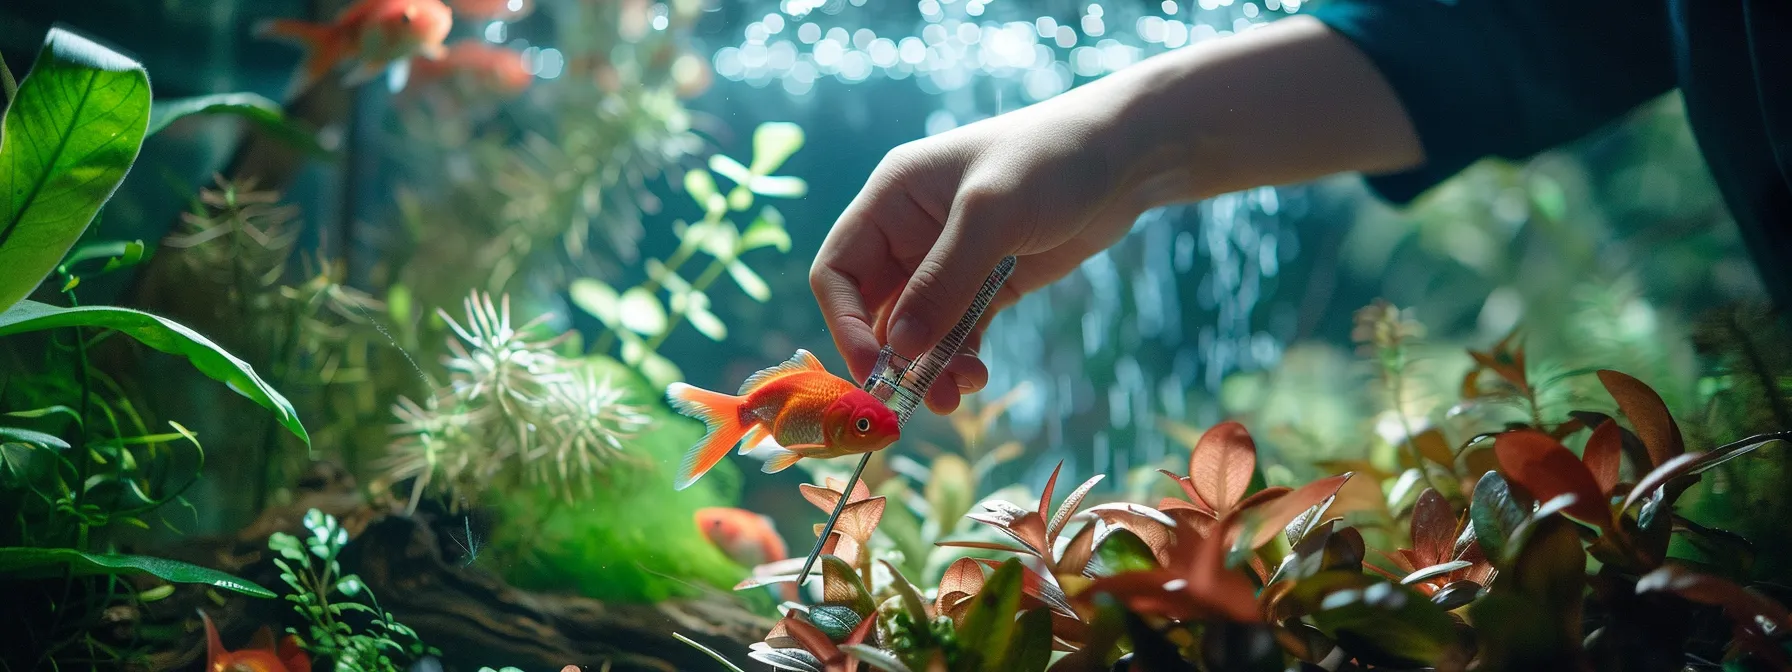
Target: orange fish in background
x,y
261,656
476,68
806,410
745,537
502,10
376,35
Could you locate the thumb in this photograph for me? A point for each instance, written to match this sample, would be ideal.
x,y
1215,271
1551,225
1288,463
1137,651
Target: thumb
x,y
947,280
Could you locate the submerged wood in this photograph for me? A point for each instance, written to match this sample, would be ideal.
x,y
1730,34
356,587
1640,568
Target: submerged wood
x,y
473,617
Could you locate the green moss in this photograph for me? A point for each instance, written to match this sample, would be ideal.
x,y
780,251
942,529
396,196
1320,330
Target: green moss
x,y
633,538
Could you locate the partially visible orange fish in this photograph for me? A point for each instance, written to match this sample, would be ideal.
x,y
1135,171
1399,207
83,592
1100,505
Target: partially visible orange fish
x,y
475,68
261,656
502,10
745,537
376,35
806,410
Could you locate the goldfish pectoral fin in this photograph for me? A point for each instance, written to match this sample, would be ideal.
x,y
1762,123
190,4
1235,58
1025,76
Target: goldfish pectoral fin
x,y
780,461
214,648
364,72
754,436
397,75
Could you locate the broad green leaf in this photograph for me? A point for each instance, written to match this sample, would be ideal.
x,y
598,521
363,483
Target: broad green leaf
x,y
259,110
1030,647
729,168
70,136
834,620
32,437
697,311
8,86
949,492
990,621
749,281
642,313
780,186
702,188
766,231
1511,635
911,597
1494,516
598,299
1386,624
773,143
31,562
841,586
1123,551
167,336
740,198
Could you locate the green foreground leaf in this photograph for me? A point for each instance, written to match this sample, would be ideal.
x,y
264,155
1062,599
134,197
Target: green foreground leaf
x,y
70,137
26,562
259,110
164,335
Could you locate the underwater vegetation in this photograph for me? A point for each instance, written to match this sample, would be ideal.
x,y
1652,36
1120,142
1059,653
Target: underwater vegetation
x,y
1496,548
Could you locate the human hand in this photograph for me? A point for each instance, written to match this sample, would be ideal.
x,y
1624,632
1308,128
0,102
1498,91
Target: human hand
x,y
906,258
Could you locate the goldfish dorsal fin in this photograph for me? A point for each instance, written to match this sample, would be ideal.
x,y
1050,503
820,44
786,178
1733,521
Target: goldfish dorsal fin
x,y
800,362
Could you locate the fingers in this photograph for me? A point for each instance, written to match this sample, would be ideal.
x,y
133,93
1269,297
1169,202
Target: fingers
x,y
859,269
945,282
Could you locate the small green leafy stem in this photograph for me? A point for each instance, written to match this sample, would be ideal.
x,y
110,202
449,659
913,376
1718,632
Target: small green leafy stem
x,y
324,595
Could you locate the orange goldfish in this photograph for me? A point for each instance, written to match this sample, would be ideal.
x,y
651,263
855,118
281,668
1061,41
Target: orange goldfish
x,y
261,656
376,35
745,537
503,10
805,409
477,68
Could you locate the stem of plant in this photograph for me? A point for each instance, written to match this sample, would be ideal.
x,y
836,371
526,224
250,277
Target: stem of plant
x,y
1397,389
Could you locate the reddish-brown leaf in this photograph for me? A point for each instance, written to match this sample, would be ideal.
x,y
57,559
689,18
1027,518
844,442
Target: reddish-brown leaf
x,y
1433,446
1188,490
860,518
1045,495
1273,517
1222,463
1675,467
1543,467
1640,403
1433,529
1036,586
1029,529
984,545
1077,553
963,575
1068,508
811,638
1747,609
1602,456
1261,497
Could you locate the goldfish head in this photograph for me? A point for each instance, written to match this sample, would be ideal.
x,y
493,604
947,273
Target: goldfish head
x,y
859,422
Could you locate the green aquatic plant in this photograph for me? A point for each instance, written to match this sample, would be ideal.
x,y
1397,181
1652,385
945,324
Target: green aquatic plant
x,y
328,599
514,412
637,319
80,461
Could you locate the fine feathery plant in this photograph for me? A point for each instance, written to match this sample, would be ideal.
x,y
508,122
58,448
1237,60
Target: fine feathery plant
x,y
514,410
329,600
638,319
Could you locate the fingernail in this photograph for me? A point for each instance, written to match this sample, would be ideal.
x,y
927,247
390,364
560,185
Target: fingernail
x,y
906,336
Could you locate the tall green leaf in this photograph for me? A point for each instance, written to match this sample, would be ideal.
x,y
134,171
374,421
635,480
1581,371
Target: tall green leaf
x,y
259,110
164,335
70,136
30,562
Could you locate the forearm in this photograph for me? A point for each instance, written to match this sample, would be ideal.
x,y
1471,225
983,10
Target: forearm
x,y
1289,102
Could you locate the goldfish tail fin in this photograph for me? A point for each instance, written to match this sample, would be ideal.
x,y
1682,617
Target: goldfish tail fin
x,y
324,48
721,414
290,653
781,460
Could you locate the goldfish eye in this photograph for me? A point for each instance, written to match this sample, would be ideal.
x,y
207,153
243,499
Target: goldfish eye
x,y
864,424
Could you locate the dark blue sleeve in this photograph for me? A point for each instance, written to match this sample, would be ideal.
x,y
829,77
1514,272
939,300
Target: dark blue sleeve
x,y
1507,78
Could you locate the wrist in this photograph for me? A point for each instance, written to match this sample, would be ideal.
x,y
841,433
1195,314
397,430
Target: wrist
x,y
1159,151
